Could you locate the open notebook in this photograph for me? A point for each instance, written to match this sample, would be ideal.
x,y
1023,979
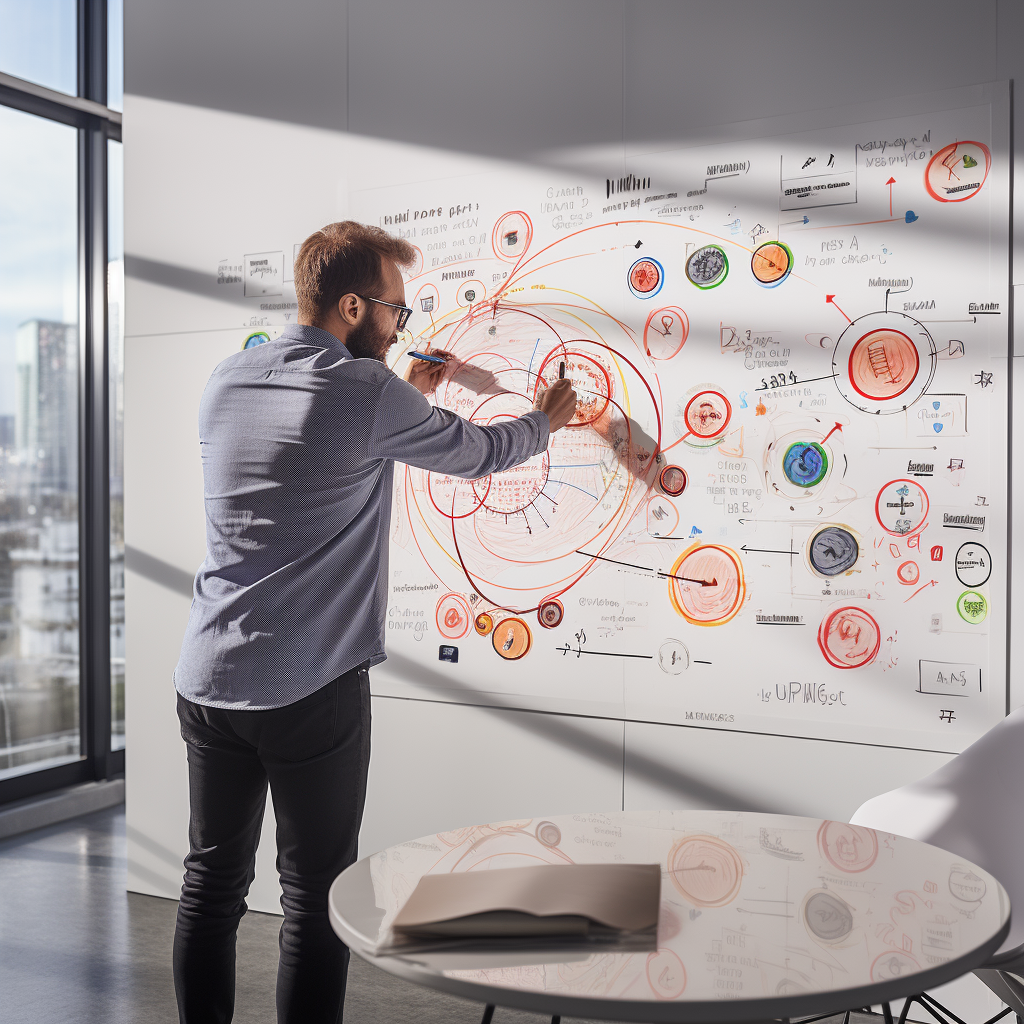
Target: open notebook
x,y
614,904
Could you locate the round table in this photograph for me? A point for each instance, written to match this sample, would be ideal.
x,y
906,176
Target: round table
x,y
762,916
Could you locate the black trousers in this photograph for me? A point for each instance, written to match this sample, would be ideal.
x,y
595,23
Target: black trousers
x,y
314,754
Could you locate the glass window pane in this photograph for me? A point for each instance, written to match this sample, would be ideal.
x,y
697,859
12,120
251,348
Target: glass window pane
x,y
38,41
39,674
115,343
115,54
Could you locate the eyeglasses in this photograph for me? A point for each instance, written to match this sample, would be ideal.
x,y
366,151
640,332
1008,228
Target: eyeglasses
x,y
404,312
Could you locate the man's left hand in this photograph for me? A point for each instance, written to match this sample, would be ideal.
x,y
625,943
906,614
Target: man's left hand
x,y
425,376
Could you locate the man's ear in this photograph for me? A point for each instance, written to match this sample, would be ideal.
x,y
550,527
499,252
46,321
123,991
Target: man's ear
x,y
349,308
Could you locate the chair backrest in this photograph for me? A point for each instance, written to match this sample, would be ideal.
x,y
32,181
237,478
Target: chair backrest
x,y
974,807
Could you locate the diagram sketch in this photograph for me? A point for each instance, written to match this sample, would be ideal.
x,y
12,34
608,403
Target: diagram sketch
x,y
790,356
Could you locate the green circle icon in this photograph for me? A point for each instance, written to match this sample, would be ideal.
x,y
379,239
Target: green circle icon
x,y
972,606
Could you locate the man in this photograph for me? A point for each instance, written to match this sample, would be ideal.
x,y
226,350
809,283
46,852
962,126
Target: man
x,y
298,441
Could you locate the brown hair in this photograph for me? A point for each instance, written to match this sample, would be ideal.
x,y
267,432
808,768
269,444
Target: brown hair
x,y
341,258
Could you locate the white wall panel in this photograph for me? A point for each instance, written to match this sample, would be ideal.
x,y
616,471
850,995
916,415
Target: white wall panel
x,y
688,66
440,766
681,766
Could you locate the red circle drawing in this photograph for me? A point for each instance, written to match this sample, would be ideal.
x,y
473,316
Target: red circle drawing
x,y
673,480
908,573
707,414
665,332
706,585
957,171
893,963
849,638
483,623
645,276
901,507
590,380
454,497
883,364
850,848
666,974
550,612
452,616
512,235
706,870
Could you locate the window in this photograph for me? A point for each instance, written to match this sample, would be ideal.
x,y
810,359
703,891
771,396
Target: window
x,y
39,42
61,299
115,408
39,666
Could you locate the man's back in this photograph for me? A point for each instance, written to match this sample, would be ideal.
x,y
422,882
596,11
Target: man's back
x,y
297,441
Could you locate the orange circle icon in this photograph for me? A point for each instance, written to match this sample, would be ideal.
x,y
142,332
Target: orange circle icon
x,y
771,263
706,870
850,848
483,623
706,585
511,639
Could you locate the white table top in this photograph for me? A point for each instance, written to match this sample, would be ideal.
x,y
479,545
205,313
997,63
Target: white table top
x,y
762,915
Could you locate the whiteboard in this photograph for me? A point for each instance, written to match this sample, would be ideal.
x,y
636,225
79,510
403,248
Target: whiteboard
x,y
782,504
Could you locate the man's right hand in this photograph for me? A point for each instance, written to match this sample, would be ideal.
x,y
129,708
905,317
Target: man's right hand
x,y
559,402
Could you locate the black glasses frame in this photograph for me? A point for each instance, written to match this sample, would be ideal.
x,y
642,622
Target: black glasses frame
x,y
404,311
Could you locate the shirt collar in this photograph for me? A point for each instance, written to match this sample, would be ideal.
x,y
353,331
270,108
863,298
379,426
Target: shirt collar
x,y
317,336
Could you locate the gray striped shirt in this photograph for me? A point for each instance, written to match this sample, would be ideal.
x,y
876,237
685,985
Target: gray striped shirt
x,y
298,442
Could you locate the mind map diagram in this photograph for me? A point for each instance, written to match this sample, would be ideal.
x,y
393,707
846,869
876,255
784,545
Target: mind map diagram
x,y
779,505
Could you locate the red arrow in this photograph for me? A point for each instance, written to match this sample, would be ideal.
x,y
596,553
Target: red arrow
x,y
838,426
890,183
832,299
925,586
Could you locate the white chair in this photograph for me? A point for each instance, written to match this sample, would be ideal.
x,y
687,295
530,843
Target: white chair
x,y
973,806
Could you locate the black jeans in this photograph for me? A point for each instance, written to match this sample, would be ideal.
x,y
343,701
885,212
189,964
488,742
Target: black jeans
x,y
314,754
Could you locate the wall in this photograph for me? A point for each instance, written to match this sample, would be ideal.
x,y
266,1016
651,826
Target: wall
x,y
248,122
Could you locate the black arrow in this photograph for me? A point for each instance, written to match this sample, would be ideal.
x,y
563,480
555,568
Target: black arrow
x,y
768,551
645,568
703,583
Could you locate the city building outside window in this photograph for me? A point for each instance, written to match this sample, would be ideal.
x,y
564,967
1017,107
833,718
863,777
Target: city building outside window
x,y
61,395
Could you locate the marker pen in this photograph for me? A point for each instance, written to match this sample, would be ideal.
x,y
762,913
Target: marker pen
x,y
427,358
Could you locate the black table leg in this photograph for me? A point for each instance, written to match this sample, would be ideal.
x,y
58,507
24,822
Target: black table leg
x,y
488,1014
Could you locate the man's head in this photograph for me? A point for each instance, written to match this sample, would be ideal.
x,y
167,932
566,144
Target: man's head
x,y
338,269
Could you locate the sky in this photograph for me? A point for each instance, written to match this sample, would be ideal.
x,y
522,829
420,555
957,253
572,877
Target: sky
x,y
38,174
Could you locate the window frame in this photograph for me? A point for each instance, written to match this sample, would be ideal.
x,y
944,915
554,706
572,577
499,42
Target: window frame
x,y
96,124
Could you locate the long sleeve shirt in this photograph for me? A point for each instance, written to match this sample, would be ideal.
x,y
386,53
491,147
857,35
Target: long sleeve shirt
x,y
298,443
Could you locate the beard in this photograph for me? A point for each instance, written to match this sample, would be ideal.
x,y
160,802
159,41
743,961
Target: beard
x,y
370,340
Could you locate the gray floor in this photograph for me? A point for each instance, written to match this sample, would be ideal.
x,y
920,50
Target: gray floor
x,y
75,948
